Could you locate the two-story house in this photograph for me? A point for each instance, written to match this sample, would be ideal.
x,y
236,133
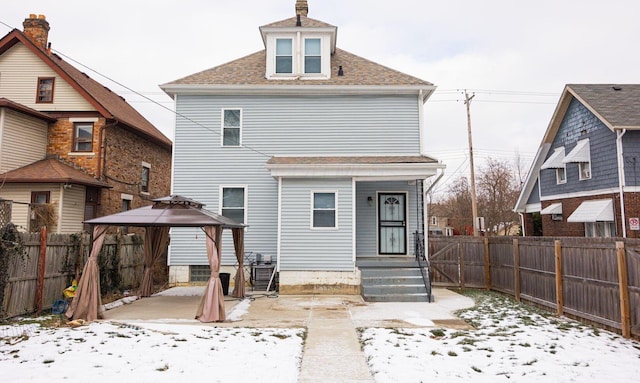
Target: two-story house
x,y
317,150
585,177
68,142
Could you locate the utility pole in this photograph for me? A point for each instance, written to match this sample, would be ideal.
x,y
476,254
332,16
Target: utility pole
x,y
474,203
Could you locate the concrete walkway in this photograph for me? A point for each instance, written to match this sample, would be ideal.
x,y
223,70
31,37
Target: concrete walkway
x,y
332,351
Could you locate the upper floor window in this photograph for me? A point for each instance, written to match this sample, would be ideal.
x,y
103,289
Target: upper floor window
x,y
324,210
561,175
45,90
584,169
312,56
434,221
234,203
144,181
231,127
82,136
284,56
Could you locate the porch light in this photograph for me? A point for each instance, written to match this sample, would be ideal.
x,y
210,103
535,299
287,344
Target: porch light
x,y
370,200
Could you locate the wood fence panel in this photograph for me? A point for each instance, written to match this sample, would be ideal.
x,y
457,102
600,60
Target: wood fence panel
x,y
537,270
633,272
472,250
61,265
590,279
501,258
443,261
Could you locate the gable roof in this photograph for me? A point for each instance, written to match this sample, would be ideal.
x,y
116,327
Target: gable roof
x,y
616,105
108,103
50,170
251,69
306,22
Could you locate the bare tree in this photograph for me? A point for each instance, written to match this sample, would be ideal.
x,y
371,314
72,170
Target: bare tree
x,y
498,190
457,205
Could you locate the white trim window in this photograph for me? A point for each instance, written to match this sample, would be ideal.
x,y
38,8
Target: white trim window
x,y
233,203
584,169
313,55
144,177
231,127
434,221
601,229
561,175
324,210
284,56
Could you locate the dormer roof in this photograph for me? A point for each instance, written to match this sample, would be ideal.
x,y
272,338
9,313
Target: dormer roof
x,y
306,24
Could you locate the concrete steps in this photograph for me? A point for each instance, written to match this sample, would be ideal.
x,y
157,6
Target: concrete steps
x,y
392,279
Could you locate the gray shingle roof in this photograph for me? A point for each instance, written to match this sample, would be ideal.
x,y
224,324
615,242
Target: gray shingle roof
x,y
251,69
351,160
618,104
305,22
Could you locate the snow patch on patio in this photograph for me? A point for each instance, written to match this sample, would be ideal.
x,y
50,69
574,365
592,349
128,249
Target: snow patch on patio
x,y
182,291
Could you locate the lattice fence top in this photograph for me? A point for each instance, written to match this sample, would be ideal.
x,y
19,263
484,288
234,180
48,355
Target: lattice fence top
x,y
5,212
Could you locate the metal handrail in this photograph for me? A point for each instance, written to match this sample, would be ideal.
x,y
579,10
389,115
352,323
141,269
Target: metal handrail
x,y
422,258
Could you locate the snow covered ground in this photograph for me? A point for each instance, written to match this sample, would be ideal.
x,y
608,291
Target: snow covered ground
x,y
511,343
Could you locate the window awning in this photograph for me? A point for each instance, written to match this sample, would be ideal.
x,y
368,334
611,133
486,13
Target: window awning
x,y
555,160
581,152
598,210
554,208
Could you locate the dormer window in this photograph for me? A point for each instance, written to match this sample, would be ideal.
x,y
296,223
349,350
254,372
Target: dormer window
x,y
284,56
294,56
312,56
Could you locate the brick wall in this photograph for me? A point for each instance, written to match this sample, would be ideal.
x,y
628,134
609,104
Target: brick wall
x,y
125,152
61,144
576,229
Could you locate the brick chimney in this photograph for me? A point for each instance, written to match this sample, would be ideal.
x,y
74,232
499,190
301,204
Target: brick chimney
x,y
37,29
302,8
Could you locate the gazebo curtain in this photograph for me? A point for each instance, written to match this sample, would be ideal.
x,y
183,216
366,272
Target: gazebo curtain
x,y
238,244
156,239
87,302
212,304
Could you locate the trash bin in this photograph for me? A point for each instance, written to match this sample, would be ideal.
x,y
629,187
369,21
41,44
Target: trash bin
x,y
224,279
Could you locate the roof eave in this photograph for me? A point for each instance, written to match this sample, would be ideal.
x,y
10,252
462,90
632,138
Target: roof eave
x,y
400,171
195,89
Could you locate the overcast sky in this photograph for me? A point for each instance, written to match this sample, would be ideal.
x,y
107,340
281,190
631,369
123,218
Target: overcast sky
x,y
515,56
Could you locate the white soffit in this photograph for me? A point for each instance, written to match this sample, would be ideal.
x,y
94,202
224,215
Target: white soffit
x,y
598,210
554,208
581,152
555,160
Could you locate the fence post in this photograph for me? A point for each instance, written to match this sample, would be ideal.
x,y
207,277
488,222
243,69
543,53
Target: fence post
x,y
42,257
487,264
460,266
623,278
559,298
516,269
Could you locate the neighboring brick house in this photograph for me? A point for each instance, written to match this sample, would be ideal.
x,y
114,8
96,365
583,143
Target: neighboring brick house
x,y
68,141
585,178
319,151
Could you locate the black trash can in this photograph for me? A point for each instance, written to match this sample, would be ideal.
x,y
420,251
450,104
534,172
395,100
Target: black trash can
x,y
224,279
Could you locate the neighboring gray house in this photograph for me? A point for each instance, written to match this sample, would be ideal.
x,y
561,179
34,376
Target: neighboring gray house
x,y
317,150
585,178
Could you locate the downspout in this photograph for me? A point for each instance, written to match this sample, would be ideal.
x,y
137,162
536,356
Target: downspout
x,y
424,211
421,122
102,152
279,231
621,180
523,228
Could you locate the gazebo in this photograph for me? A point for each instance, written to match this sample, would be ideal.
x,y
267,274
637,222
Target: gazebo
x,y
157,219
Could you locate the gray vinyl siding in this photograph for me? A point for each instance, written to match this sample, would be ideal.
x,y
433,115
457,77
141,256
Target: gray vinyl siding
x,y
534,197
24,140
579,123
275,125
366,216
304,248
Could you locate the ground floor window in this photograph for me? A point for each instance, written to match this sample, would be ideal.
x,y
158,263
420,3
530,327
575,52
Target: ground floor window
x,y
599,229
199,273
324,210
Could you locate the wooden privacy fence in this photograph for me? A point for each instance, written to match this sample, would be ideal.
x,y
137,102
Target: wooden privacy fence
x,y
37,279
597,279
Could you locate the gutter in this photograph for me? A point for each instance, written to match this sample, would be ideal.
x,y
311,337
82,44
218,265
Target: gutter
x,y
621,179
